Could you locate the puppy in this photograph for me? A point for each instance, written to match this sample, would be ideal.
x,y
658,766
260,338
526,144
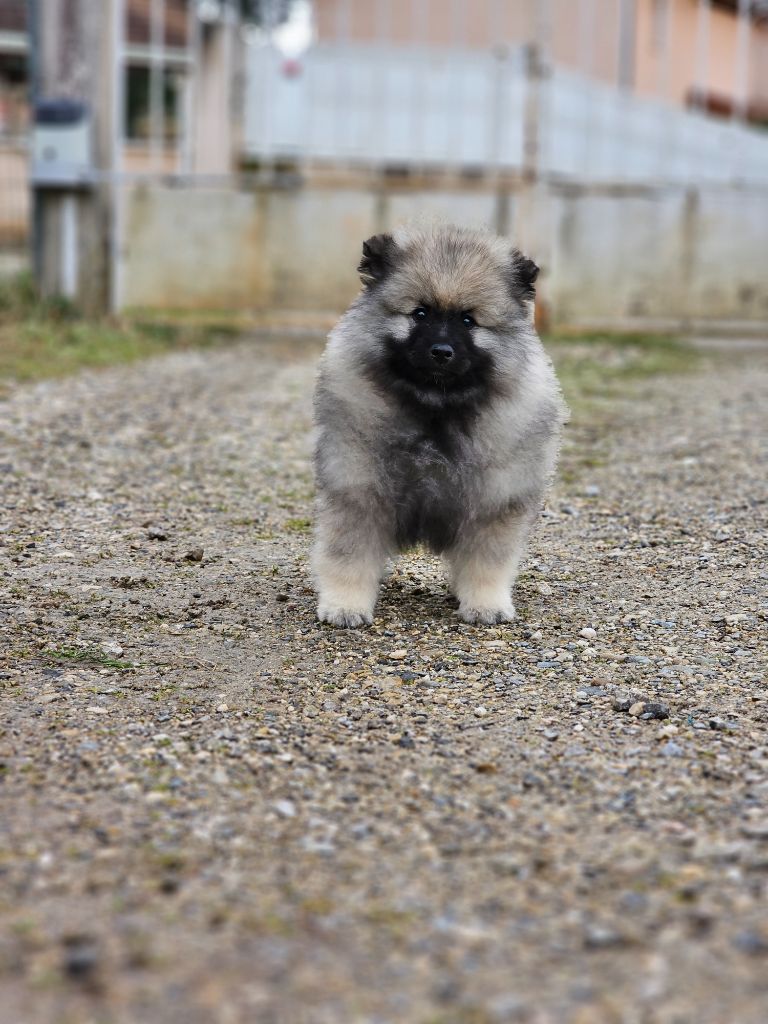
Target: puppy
x,y
438,418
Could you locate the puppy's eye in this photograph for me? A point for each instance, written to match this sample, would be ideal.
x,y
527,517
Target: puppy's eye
x,y
420,313
469,320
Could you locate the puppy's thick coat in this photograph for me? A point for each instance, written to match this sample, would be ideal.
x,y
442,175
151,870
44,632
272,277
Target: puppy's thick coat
x,y
437,418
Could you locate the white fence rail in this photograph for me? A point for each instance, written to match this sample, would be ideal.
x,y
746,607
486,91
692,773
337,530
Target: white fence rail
x,y
418,107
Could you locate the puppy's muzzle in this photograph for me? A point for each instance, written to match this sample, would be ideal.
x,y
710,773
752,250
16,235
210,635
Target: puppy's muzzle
x,y
442,353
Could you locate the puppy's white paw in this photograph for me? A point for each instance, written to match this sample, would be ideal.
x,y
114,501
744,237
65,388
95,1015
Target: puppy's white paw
x,y
347,618
487,616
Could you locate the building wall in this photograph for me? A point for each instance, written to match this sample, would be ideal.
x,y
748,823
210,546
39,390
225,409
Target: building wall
x,y
663,256
584,36
676,77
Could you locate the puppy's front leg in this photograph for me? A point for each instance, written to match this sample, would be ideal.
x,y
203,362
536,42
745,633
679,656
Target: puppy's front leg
x,y
483,567
351,550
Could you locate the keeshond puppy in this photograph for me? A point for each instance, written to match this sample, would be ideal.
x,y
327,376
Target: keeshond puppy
x,y
438,418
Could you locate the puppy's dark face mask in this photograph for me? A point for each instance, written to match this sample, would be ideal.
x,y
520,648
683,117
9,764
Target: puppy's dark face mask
x,y
439,354
434,356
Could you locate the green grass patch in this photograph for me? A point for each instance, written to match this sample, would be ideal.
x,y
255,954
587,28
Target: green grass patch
x,y
47,338
84,656
602,365
299,525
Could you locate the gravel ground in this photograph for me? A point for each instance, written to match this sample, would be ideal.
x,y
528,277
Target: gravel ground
x,y
215,810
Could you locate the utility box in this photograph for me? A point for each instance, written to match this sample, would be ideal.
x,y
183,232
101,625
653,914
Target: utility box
x,y
62,152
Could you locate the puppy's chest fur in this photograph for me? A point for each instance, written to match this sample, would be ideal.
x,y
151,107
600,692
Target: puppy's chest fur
x,y
427,467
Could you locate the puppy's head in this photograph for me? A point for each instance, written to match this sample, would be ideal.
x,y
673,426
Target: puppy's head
x,y
452,307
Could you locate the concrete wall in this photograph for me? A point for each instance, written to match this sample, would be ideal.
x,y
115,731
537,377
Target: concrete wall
x,y
609,256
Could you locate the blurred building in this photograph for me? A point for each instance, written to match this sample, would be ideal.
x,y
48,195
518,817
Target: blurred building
x,y
683,51
622,142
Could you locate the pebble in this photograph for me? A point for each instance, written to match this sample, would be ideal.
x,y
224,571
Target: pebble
x,y
157,533
195,555
672,749
756,829
222,707
481,711
399,654
544,589
285,808
588,633
655,710
112,648
81,957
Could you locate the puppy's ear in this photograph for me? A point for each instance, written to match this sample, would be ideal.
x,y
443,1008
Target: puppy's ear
x,y
378,259
524,274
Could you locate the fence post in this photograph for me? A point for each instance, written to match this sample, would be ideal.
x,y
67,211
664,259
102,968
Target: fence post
x,y
531,234
74,59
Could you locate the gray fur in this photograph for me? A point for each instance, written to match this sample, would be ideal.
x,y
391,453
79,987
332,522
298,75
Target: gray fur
x,y
400,461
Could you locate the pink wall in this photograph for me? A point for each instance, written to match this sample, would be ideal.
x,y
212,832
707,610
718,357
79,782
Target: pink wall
x,y
585,36
679,78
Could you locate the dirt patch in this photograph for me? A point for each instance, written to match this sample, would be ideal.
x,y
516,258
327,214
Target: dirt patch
x,y
215,809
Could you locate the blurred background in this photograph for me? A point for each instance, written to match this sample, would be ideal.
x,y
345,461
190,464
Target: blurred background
x,y
232,154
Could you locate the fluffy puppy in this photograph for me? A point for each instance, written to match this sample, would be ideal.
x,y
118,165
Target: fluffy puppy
x,y
438,419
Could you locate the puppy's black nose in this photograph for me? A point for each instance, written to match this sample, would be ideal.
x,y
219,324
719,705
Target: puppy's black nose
x,y
441,353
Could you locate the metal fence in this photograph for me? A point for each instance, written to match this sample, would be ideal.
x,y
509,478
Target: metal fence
x,y
555,90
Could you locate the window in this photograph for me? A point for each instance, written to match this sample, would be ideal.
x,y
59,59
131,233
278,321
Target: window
x,y
138,96
14,101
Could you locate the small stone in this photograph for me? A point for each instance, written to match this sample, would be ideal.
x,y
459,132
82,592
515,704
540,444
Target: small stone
x,y
599,937
222,707
157,533
112,648
752,943
544,589
637,709
196,555
481,712
756,829
399,654
672,749
406,741
588,633
285,808
654,710
550,734
591,491
81,957
718,724
622,703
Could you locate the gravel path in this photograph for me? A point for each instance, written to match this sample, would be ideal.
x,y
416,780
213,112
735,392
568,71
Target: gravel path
x,y
214,810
